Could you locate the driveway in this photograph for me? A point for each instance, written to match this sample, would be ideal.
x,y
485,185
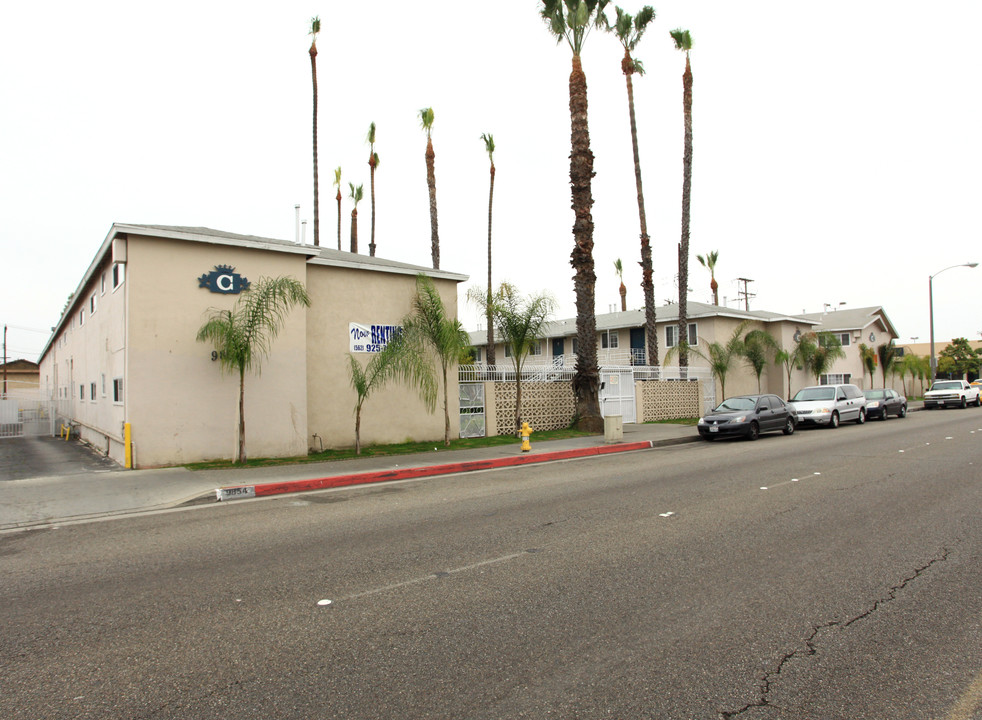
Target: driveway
x,y
30,457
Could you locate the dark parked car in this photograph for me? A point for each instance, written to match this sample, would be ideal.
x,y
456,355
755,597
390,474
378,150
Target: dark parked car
x,y
884,403
748,416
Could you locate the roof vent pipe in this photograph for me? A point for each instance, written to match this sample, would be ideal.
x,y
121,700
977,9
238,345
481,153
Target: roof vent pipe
x,y
296,228
304,223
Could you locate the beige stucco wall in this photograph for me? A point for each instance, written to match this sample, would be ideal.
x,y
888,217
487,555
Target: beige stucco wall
x,y
395,413
180,405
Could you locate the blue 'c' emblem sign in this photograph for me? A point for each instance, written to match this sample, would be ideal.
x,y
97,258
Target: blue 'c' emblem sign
x,y
223,279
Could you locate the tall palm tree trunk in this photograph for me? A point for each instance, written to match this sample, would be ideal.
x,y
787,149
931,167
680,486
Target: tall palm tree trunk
x,y
647,270
317,215
490,348
431,184
354,230
338,198
371,245
686,191
586,381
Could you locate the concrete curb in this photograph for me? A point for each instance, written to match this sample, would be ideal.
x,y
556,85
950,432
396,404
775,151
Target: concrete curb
x,y
237,492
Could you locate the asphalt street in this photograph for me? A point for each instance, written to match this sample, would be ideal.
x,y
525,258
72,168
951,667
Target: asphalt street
x,y
829,574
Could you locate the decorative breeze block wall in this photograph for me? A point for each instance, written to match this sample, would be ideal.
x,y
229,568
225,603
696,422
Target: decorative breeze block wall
x,y
545,405
670,400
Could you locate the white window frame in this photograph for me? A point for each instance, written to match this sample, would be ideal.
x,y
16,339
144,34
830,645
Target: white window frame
x,y
119,275
81,317
92,305
835,379
609,340
117,391
103,384
535,348
102,284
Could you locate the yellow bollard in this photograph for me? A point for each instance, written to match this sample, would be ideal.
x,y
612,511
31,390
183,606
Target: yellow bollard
x,y
128,445
525,432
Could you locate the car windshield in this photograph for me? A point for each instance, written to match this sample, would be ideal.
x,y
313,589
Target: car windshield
x,y
737,404
823,393
954,385
875,394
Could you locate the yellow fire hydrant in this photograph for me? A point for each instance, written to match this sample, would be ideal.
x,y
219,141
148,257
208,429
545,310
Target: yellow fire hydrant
x,y
525,432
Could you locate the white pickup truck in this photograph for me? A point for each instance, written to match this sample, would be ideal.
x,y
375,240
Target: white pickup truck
x,y
951,393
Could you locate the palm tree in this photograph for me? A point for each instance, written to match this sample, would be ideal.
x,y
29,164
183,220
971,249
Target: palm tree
x,y
488,139
720,356
619,269
683,42
798,357
629,30
710,262
757,345
571,20
337,181
397,360
429,326
372,164
315,27
887,353
520,322
356,194
426,122
829,350
243,335
868,357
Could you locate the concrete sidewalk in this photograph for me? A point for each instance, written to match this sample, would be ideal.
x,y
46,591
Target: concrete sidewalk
x,y
41,501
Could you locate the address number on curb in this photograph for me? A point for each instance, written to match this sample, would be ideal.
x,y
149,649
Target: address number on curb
x,y
236,493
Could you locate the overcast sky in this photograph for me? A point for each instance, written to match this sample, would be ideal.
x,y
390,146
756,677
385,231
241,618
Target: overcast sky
x,y
836,146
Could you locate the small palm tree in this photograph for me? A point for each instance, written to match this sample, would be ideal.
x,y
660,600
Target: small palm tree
x,y
520,322
683,42
757,346
709,262
488,139
372,164
429,326
572,20
356,194
337,182
315,27
823,358
619,269
798,357
629,30
868,357
426,122
886,353
397,360
720,356
243,335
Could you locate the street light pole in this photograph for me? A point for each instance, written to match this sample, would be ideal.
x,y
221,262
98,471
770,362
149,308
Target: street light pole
x,y
930,305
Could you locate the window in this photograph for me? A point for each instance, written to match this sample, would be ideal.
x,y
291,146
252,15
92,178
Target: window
x,y
92,304
119,274
92,391
102,285
835,379
609,339
103,384
117,390
672,330
477,354
535,348
81,317
507,350
574,345
843,338
81,391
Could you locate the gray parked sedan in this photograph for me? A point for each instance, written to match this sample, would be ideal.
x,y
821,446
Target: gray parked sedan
x,y
884,403
748,416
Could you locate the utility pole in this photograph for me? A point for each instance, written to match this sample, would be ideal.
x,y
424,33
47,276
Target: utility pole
x,y
4,361
746,295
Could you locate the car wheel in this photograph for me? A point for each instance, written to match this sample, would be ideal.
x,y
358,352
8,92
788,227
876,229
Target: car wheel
x,y
834,420
964,403
978,401
862,416
886,414
754,431
789,427
903,411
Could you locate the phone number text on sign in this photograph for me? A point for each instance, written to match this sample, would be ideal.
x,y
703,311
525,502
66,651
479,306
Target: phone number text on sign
x,y
364,338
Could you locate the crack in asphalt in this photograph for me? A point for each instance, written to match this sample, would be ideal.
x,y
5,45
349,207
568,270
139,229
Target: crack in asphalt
x,y
764,686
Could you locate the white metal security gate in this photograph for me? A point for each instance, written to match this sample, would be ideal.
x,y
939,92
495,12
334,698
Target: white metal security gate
x,y
20,417
472,410
617,393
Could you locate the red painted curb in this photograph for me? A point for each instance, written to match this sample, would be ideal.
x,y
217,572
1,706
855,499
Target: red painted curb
x,y
292,486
